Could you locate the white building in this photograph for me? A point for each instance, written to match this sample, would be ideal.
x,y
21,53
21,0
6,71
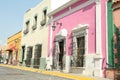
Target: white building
x,y
34,44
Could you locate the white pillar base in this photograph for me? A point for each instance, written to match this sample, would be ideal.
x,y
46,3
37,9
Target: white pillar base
x,y
67,66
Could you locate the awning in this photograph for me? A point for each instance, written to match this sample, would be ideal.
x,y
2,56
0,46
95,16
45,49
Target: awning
x,y
11,47
9,50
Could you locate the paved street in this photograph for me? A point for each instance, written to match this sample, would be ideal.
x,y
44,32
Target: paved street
x,y
16,74
10,72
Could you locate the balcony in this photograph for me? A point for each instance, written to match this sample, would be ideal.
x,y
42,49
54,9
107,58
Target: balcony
x,y
34,27
25,31
43,22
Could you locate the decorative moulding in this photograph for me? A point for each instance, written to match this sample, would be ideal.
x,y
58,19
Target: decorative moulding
x,y
80,27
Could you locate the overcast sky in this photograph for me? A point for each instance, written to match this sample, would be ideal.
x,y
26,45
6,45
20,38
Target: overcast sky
x,y
11,16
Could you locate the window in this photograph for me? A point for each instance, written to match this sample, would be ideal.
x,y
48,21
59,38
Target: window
x,y
37,55
45,13
80,51
29,56
35,23
27,24
43,22
35,20
38,50
79,45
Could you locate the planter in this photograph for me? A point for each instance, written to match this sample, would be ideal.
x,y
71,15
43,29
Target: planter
x,y
111,73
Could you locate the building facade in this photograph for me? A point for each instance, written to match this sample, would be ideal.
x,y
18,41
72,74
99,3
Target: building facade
x,y
113,29
77,37
3,53
13,48
35,34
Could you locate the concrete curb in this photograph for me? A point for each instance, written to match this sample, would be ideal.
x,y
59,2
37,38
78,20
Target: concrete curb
x,y
60,74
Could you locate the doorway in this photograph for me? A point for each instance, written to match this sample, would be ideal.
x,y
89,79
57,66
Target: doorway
x,y
29,56
61,54
37,55
23,53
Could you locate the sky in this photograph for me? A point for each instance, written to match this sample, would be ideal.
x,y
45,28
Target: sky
x,y
11,16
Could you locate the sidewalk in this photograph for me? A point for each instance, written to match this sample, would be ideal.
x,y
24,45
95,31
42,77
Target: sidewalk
x,y
56,73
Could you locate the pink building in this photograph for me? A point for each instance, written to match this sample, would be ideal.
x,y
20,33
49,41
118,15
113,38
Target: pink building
x,y
77,37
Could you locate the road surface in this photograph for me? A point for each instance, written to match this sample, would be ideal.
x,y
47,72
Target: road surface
x,y
16,74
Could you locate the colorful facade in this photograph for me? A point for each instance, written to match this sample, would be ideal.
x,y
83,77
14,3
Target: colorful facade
x,y
35,34
77,37
13,48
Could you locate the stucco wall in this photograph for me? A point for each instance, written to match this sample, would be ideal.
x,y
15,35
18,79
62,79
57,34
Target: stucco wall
x,y
80,17
15,40
40,35
92,15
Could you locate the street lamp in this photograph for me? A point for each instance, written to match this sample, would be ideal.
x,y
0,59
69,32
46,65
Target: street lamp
x,y
55,24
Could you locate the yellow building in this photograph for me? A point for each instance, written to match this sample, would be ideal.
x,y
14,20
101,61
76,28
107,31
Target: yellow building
x,y
13,48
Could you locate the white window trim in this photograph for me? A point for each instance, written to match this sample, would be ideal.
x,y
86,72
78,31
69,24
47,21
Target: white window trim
x,y
83,28
58,38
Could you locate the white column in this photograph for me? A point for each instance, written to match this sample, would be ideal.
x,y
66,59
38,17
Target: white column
x,y
98,27
67,61
67,66
98,56
50,49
